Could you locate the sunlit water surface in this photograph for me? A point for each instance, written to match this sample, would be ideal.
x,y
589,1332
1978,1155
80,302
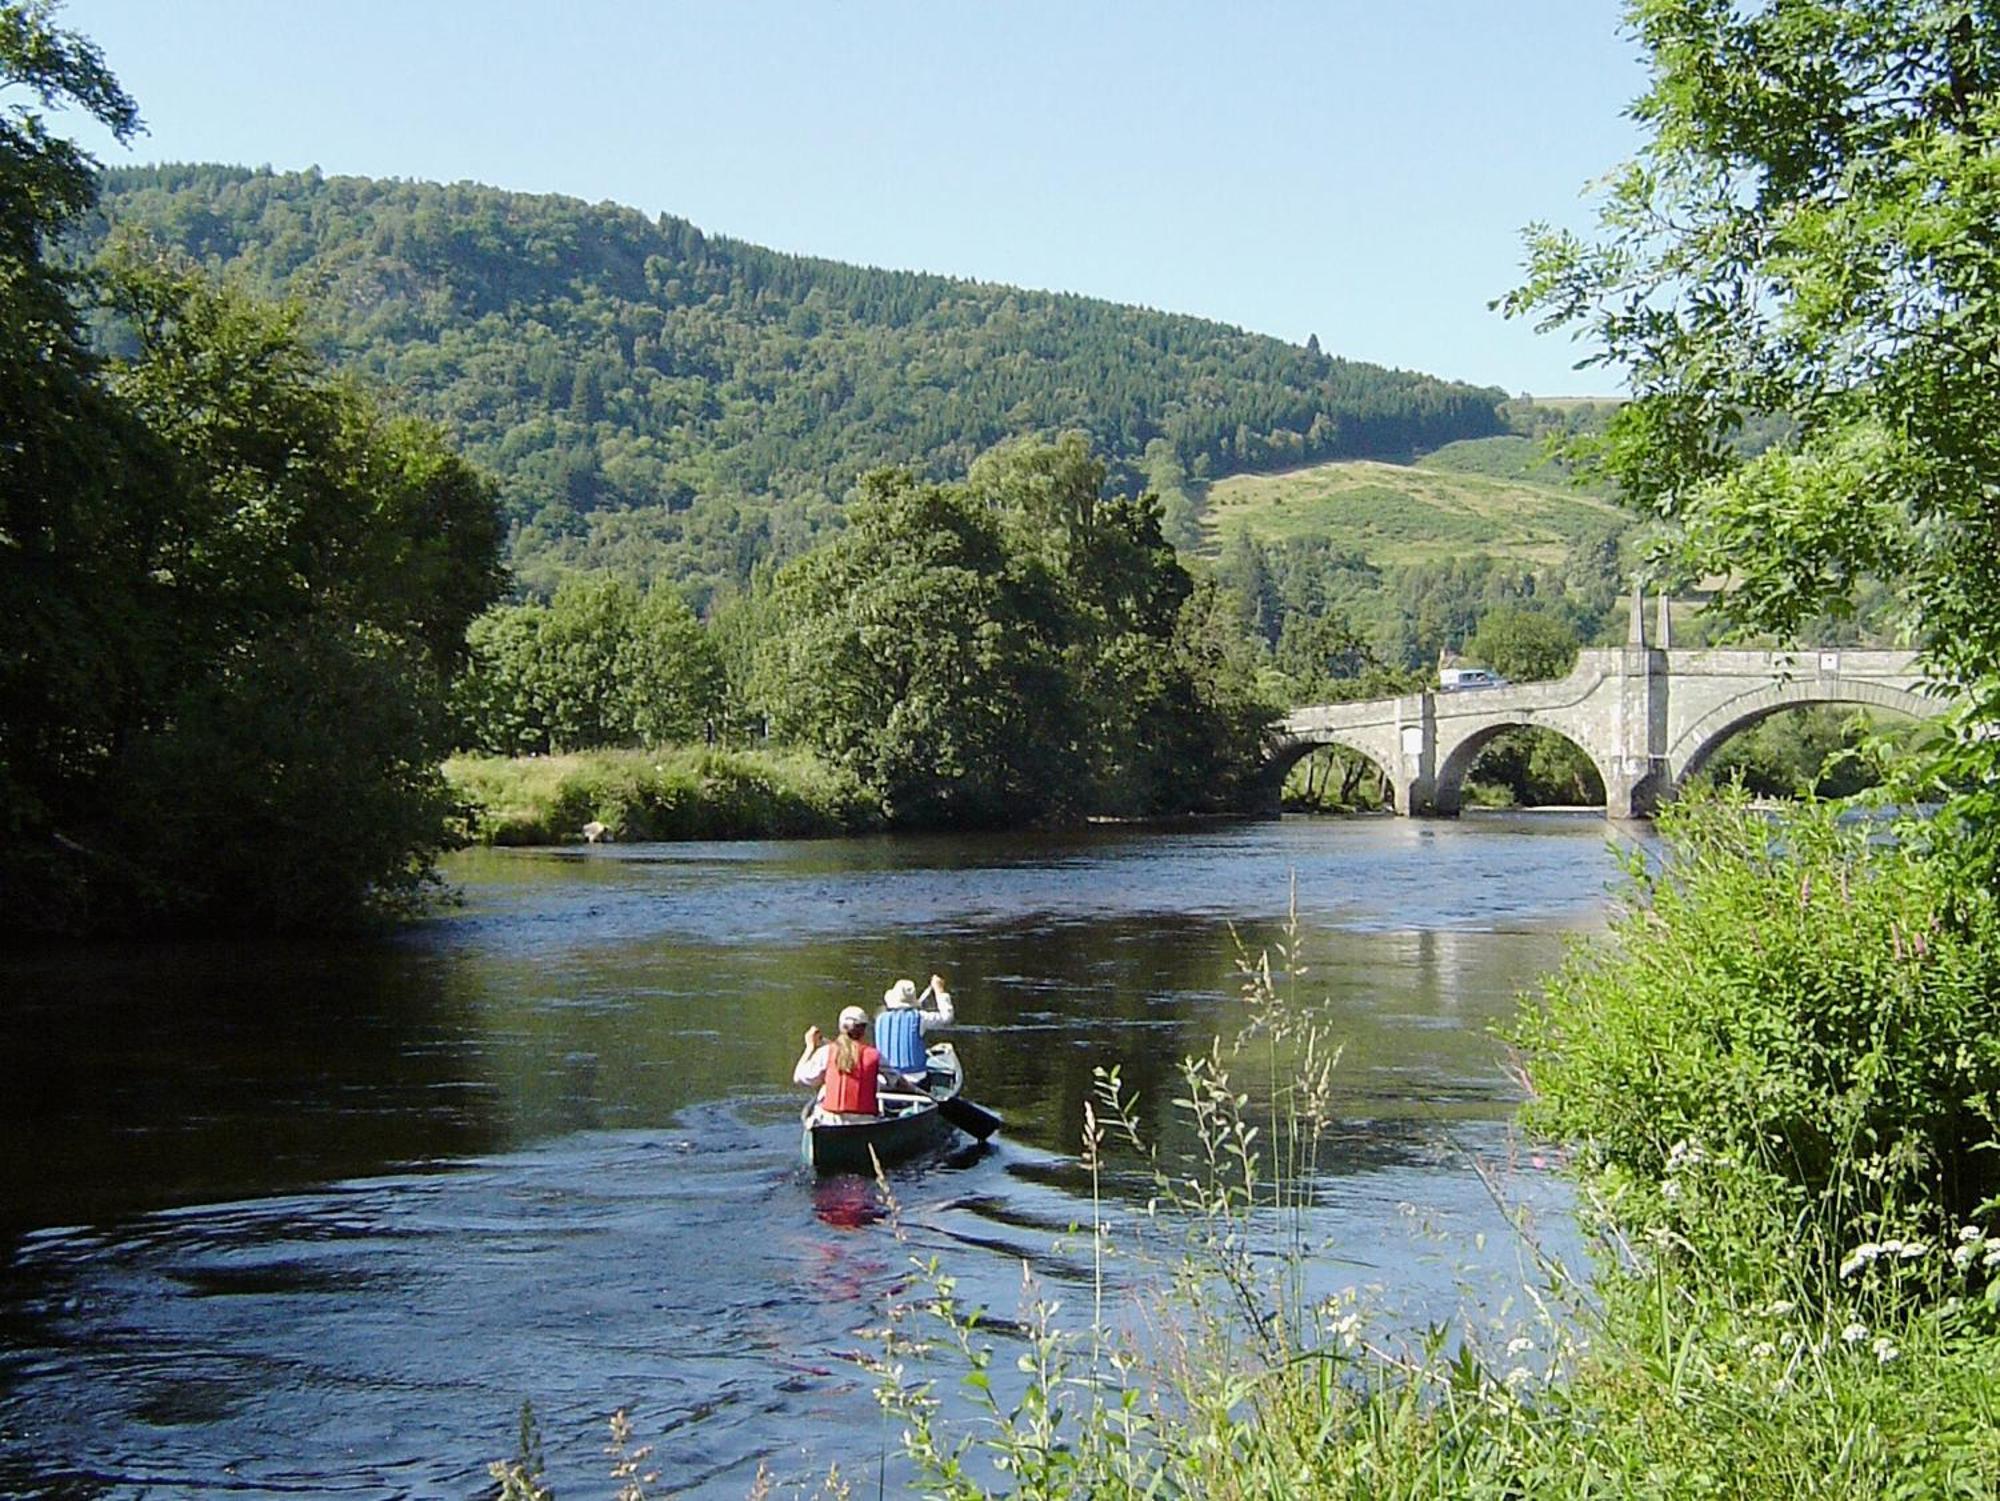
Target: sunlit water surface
x,y
308,1219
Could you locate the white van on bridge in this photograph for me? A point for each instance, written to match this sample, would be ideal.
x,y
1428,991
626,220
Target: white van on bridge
x,y
1466,679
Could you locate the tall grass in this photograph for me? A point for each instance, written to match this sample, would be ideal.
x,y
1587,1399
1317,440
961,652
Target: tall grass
x,y
687,792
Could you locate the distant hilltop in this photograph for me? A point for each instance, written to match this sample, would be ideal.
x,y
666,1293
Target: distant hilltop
x,y
669,404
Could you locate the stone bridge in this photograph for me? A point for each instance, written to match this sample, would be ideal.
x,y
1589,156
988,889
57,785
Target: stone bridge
x,y
1648,716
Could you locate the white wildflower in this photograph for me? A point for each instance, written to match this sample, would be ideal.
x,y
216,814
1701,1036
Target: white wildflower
x,y
1858,1258
1779,1309
1910,1250
1764,1350
1961,1256
1853,1334
1518,1346
1968,1234
1684,1154
1885,1349
1520,1375
1670,1190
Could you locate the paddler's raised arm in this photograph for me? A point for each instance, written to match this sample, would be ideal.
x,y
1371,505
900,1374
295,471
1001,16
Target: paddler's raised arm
x,y
811,1067
942,1011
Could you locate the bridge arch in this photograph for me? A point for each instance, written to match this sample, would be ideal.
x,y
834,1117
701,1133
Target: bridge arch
x,y
1286,753
1456,764
1701,740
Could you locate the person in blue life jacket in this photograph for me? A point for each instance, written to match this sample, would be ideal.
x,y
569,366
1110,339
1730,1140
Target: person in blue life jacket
x,y
904,1022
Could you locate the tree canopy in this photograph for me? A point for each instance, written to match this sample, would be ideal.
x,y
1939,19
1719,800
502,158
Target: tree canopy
x,y
600,665
673,405
1523,645
1009,649
230,589
1811,233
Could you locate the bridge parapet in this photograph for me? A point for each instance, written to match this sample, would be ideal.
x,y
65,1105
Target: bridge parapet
x,y
1593,667
1846,661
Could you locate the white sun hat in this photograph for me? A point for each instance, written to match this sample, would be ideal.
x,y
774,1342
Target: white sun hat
x,y
902,993
853,1016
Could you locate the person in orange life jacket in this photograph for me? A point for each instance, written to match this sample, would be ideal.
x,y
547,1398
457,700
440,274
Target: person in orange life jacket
x,y
847,1070
903,1023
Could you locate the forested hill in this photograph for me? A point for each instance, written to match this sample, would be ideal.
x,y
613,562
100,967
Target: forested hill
x,y
672,404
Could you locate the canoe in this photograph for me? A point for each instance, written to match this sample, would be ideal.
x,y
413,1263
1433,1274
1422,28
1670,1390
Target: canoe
x,y
909,1124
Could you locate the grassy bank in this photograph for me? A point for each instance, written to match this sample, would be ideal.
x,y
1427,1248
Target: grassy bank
x,y
692,792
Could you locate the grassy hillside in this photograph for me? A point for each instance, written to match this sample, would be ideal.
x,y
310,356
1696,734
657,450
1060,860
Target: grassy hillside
x,y
1507,457
670,404
1395,513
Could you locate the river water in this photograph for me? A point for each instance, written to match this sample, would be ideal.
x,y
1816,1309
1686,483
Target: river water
x,y
316,1219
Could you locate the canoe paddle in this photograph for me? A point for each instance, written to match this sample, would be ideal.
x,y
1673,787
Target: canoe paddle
x,y
975,1121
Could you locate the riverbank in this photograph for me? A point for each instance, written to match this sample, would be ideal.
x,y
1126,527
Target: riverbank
x,y
685,792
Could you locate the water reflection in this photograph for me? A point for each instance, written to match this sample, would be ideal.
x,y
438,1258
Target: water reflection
x,y
848,1202
545,1145
148,1078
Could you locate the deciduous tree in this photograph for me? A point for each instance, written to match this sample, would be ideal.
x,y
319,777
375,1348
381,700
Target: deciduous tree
x,y
1017,647
600,665
1812,232
230,590
911,653
1523,645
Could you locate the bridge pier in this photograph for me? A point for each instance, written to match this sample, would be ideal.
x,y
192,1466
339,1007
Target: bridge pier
x,y
1416,798
1415,777
1635,786
1635,770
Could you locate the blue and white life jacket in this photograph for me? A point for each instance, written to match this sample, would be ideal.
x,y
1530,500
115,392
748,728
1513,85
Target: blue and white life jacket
x,y
899,1034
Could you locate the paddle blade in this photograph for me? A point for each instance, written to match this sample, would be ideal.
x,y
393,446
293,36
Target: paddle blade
x,y
974,1120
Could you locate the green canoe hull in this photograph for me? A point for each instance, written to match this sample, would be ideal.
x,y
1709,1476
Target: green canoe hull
x,y
856,1148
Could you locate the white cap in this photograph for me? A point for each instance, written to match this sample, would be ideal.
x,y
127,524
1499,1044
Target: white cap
x,y
853,1018
902,993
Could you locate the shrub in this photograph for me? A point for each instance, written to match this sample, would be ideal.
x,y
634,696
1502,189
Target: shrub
x,y
1804,1000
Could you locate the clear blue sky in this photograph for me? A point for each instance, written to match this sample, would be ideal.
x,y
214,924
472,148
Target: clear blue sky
x,y
1359,169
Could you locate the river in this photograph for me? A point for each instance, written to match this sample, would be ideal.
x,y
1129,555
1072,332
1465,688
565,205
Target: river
x,y
284,1219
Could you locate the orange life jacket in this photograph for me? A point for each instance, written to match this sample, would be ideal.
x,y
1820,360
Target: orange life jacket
x,y
850,1094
